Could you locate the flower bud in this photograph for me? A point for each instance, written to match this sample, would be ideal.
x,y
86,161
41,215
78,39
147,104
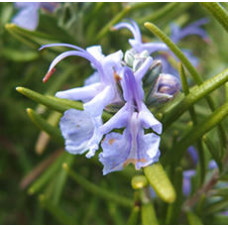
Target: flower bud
x,y
134,59
164,89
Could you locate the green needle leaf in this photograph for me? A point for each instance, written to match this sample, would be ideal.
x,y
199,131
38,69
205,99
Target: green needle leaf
x,y
195,133
179,54
133,218
60,105
160,182
155,30
94,189
218,12
51,171
173,111
174,209
193,219
148,214
56,211
45,126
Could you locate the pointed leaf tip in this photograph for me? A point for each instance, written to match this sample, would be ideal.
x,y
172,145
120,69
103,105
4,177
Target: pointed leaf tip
x,y
10,26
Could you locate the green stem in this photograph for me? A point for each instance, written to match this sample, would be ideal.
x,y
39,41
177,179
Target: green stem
x,y
47,175
100,192
194,120
196,132
61,179
175,208
218,12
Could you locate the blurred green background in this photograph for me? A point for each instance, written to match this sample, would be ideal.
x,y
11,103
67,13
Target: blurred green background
x,y
21,64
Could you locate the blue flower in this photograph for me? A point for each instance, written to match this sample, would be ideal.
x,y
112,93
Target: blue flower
x,y
176,35
137,43
133,146
101,90
28,15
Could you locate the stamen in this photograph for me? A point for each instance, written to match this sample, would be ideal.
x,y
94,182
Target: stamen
x,y
48,75
116,77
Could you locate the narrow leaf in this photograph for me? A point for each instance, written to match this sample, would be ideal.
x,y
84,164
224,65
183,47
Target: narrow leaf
x,y
45,126
173,111
148,214
193,72
218,12
94,189
51,171
193,219
196,132
160,182
133,218
60,105
60,215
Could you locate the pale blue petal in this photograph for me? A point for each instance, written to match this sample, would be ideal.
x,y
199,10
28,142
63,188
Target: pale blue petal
x,y
135,32
92,79
27,18
75,53
119,120
116,148
96,52
148,149
96,105
62,45
79,131
113,60
85,93
21,5
154,47
148,120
